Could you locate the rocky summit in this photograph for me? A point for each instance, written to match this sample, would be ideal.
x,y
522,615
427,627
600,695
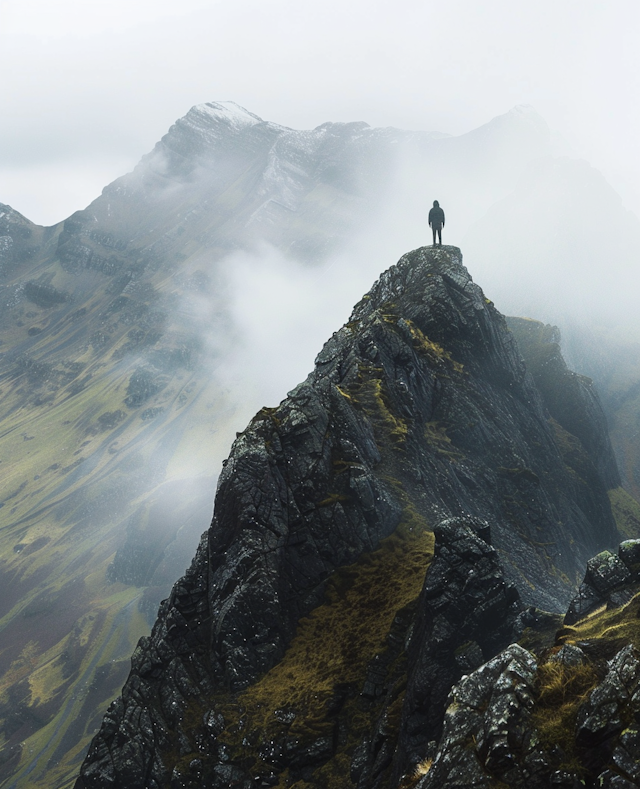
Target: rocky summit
x,y
380,542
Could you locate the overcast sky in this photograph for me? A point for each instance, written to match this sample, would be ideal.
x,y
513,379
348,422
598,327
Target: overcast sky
x,y
88,87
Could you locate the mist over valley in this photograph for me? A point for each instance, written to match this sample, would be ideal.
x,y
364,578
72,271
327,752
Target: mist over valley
x,y
140,336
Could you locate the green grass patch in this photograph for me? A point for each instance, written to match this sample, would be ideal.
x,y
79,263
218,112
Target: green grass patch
x,y
373,391
562,691
613,628
336,641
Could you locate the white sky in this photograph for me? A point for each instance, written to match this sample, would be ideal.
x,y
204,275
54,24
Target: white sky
x,y
88,87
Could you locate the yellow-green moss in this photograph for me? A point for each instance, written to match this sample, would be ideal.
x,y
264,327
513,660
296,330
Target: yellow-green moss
x,y
543,635
431,348
343,393
617,626
336,641
332,649
268,413
421,342
411,780
340,465
371,395
562,689
332,498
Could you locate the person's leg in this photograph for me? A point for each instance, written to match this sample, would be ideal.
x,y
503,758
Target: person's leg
x,y
434,236
440,236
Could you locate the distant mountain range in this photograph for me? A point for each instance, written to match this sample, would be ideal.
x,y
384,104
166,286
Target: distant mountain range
x,y
122,336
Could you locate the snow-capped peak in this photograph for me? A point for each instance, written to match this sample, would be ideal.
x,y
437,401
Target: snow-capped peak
x,y
229,112
522,109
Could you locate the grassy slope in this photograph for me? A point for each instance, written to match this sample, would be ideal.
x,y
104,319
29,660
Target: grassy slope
x,y
70,483
562,689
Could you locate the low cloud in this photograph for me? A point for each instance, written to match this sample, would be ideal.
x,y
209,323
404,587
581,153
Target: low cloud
x,y
278,317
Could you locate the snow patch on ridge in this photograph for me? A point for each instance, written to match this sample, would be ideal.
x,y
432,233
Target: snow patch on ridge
x,y
230,112
527,114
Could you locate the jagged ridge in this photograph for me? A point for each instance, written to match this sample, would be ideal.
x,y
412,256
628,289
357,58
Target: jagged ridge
x,y
418,409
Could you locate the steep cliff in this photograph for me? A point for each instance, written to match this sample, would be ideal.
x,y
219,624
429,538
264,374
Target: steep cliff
x,y
304,642
570,398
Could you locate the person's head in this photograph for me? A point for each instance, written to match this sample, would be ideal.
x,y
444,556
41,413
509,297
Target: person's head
x,y
436,204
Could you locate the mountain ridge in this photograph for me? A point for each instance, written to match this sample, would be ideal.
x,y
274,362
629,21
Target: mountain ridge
x,y
419,409
116,407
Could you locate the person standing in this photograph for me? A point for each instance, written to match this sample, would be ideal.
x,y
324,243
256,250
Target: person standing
x,y
436,221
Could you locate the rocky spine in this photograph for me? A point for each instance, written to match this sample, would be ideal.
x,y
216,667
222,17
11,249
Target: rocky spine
x,y
420,410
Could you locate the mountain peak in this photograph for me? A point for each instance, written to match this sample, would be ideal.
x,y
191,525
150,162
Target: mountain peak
x,y
9,214
525,113
227,112
524,109
418,423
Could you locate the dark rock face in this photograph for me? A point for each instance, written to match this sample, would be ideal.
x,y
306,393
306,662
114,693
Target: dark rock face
x,y
567,716
490,731
492,428
572,401
607,581
287,524
466,613
419,409
492,709
570,398
601,716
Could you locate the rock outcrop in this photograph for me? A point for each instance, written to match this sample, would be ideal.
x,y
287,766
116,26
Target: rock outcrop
x,y
420,410
465,614
608,581
487,722
564,715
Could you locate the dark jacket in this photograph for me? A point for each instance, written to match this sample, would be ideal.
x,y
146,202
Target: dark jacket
x,y
436,217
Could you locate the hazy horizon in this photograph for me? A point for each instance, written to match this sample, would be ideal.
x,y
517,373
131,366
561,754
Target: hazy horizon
x,y
93,87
